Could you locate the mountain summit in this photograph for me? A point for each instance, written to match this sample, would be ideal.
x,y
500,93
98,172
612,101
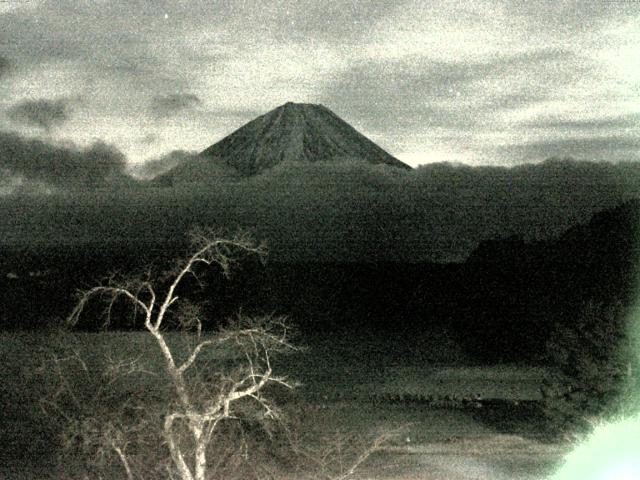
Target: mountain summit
x,y
293,132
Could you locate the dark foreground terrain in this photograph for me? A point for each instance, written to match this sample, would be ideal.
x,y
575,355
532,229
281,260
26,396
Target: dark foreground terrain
x,y
457,421
455,355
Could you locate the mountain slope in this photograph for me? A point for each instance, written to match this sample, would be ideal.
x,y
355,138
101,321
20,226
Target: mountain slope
x,y
293,132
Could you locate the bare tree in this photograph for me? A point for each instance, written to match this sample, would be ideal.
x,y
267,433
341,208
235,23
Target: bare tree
x,y
218,377
200,413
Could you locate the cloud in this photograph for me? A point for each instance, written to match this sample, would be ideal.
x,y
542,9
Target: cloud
x,y
356,211
157,166
11,184
5,65
438,212
618,147
427,109
421,92
148,139
331,21
629,121
164,106
63,166
402,88
42,113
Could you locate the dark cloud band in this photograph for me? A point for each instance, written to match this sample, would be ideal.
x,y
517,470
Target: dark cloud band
x,y
36,160
42,113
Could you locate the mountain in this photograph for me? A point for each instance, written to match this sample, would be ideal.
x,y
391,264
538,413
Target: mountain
x,y
293,132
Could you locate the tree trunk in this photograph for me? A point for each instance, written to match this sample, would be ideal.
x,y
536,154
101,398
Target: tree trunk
x,y
201,456
176,453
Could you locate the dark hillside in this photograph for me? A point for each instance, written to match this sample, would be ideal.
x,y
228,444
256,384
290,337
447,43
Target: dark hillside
x,y
518,292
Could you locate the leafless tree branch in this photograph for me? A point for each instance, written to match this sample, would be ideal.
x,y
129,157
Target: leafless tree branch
x,y
197,408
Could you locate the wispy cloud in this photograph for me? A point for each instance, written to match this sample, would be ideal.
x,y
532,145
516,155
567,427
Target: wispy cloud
x,y
42,113
628,121
163,106
157,166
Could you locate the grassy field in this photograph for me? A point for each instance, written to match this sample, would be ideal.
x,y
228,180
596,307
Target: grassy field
x,y
352,386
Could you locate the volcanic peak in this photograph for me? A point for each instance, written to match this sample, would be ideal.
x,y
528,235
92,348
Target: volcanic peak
x,y
292,132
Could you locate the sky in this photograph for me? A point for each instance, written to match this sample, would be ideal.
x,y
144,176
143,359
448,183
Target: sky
x,y
480,83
